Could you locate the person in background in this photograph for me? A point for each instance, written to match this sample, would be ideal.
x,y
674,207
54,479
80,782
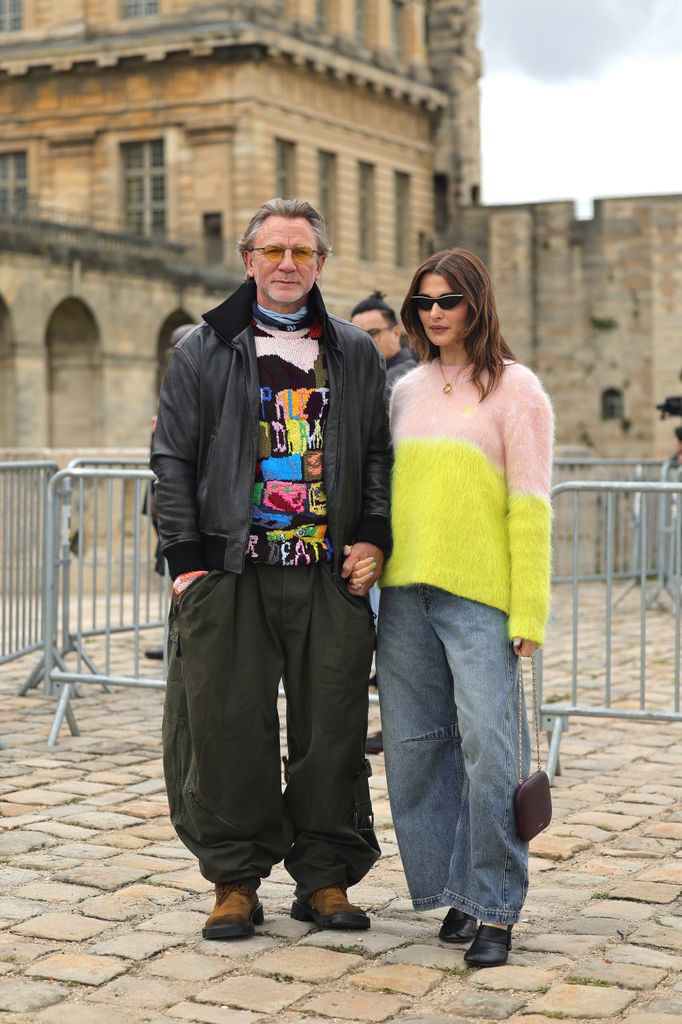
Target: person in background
x,y
273,462
465,592
376,317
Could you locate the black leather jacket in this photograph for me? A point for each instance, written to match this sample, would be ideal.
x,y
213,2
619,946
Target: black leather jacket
x,y
206,440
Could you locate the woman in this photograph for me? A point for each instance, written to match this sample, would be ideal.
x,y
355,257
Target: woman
x,y
464,594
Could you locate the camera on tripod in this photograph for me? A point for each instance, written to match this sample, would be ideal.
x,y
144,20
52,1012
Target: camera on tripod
x,y
672,406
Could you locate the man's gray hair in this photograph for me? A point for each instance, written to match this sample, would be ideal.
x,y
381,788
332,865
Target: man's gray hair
x,y
286,208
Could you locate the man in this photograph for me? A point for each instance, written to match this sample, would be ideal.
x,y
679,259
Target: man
x,y
376,317
273,458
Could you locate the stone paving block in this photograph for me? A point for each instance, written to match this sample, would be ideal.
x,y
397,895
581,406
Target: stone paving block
x,y
663,872
13,843
441,957
14,876
185,967
551,942
212,1014
57,892
77,1013
101,819
609,822
646,892
177,922
286,927
664,829
355,941
557,848
624,954
41,797
588,1001
237,949
15,909
355,1006
117,906
100,876
123,839
408,979
148,993
87,851
265,995
431,1018
136,946
519,979
189,879
22,995
142,862
653,1018
670,921
17,949
624,975
623,910
484,1004
653,935
62,927
83,968
666,1004
306,964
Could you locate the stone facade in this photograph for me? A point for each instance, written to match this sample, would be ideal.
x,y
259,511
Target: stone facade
x,y
178,120
183,122
595,307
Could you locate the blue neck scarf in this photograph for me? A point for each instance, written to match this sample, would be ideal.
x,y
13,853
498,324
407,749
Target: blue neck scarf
x,y
283,321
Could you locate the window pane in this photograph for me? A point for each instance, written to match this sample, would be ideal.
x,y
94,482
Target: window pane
x,y
365,211
284,168
402,218
327,188
144,186
360,20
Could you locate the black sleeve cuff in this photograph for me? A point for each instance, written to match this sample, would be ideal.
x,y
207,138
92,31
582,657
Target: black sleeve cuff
x,y
185,557
375,530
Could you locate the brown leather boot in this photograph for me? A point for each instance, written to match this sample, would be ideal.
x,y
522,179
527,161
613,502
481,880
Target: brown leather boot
x,y
329,908
236,912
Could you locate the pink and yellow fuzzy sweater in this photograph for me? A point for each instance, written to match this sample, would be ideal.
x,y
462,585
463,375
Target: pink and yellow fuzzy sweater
x,y
471,510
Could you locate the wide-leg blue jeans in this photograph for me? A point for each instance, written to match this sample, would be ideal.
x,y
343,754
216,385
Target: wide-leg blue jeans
x,y
447,677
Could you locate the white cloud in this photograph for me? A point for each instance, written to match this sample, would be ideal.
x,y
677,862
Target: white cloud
x,y
563,118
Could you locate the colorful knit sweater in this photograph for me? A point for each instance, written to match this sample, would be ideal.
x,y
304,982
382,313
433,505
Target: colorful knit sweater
x,y
288,499
470,495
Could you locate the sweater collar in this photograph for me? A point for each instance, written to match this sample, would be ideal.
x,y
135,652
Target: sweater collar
x,y
234,315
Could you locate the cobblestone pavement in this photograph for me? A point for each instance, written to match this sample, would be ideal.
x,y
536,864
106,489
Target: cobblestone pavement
x,y
101,907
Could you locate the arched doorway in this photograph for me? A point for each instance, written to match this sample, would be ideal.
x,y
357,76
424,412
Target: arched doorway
x,y
74,376
7,432
177,318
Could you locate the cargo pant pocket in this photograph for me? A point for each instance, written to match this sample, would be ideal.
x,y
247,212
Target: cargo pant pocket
x,y
364,816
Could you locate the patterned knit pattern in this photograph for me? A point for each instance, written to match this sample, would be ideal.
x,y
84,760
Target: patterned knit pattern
x,y
471,510
288,502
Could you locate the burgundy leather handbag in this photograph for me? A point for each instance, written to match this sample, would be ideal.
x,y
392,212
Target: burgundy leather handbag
x,y
532,797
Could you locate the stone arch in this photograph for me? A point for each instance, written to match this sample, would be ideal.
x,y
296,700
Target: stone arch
x,y
177,318
74,376
612,404
7,431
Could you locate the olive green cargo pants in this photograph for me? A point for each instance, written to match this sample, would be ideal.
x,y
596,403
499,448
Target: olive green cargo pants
x,y
232,637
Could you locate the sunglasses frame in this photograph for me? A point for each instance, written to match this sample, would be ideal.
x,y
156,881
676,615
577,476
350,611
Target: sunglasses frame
x,y
427,302
293,249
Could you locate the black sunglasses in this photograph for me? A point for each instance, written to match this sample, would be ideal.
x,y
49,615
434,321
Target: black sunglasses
x,y
426,302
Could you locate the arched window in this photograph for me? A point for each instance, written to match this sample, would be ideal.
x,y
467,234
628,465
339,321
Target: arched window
x,y
74,375
612,404
6,378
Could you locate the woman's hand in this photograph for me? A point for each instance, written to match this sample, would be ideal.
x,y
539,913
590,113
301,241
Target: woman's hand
x,y
524,648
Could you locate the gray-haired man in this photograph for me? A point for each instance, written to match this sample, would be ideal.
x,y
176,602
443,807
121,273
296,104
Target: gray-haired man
x,y
273,459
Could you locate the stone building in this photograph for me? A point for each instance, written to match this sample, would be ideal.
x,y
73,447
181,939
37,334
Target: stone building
x,y
139,136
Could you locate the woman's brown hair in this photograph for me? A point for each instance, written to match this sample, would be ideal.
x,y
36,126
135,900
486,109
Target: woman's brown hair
x,y
485,347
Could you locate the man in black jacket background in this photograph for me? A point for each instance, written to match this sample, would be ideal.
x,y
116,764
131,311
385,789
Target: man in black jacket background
x,y
273,459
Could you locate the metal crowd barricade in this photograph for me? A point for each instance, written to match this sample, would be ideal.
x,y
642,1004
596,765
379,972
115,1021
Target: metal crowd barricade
x,y
23,491
625,652
628,541
103,594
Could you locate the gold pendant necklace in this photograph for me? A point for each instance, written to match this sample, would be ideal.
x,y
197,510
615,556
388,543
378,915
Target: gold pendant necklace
x,y
448,387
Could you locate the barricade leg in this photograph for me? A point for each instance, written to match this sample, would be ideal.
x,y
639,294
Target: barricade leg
x,y
64,710
556,725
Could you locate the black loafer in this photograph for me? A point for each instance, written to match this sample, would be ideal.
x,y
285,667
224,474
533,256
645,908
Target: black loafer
x,y
457,927
490,948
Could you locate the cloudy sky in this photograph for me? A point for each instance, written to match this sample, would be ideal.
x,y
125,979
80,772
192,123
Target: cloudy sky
x,y
580,99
